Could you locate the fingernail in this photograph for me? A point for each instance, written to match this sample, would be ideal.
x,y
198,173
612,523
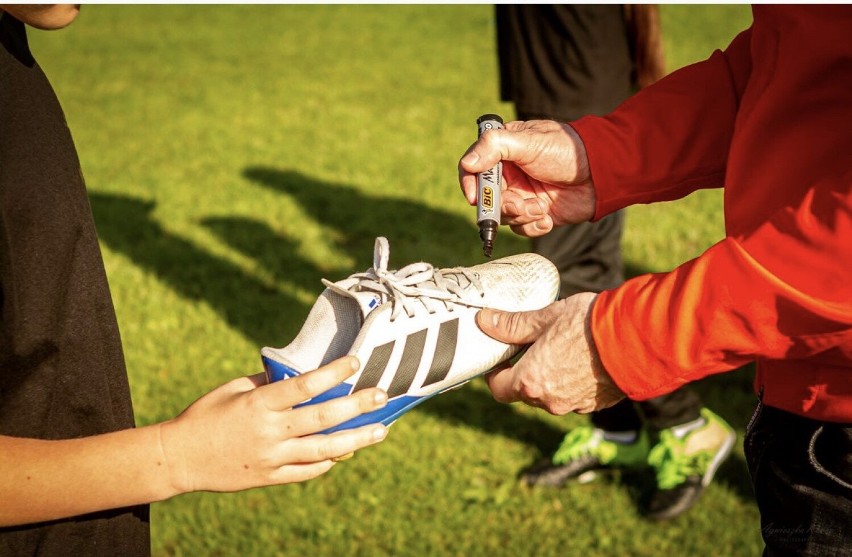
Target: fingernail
x,y
380,398
540,225
354,363
380,433
511,208
485,314
470,158
347,456
536,210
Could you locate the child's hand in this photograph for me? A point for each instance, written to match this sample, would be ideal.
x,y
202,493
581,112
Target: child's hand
x,y
247,434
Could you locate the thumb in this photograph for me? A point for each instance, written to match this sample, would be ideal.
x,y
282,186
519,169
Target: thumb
x,y
513,328
492,147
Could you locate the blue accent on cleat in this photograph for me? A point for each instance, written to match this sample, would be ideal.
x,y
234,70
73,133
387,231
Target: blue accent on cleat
x,y
387,415
276,371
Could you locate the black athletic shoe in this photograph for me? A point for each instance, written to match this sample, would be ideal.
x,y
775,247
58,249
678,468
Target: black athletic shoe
x,y
685,464
547,474
584,450
666,504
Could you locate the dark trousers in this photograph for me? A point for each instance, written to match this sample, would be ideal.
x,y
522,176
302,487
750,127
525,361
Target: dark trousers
x,y
588,255
677,408
801,471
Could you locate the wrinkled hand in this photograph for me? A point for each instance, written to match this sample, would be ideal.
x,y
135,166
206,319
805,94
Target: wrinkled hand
x,y
247,434
545,174
561,371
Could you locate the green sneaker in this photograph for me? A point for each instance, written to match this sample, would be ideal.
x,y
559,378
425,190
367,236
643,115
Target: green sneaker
x,y
685,464
584,450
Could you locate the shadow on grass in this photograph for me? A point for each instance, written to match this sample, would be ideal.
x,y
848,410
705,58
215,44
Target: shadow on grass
x,y
254,308
126,225
416,232
730,395
261,312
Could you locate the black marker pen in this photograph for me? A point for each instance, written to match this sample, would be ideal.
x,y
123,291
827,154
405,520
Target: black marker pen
x,y
488,191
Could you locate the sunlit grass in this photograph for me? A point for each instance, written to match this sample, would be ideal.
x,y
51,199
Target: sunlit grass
x,y
235,155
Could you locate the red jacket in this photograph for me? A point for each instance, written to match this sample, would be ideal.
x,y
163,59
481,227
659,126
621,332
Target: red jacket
x,y
770,120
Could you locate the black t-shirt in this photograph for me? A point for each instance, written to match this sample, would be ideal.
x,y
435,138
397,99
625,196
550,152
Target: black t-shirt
x,y
563,61
62,372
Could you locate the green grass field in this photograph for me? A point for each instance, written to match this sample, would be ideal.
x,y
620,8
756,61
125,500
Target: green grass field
x,y
235,155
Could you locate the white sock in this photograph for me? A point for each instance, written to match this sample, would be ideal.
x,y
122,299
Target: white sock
x,y
623,437
681,431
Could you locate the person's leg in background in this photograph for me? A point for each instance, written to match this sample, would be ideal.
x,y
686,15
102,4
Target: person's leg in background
x,y
689,443
681,440
561,63
684,442
588,255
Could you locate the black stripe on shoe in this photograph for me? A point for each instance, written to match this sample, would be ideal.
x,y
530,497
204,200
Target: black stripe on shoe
x,y
411,356
445,352
375,368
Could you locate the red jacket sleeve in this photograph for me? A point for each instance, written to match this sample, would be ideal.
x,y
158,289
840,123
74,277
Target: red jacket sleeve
x,y
727,307
771,120
628,166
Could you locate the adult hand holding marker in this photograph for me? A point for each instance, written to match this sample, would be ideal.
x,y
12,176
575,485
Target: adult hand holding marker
x,y
545,171
488,191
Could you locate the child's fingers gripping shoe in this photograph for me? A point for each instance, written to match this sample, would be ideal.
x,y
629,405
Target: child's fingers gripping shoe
x,y
419,337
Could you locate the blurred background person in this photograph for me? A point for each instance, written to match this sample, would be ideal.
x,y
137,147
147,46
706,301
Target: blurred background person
x,y
562,62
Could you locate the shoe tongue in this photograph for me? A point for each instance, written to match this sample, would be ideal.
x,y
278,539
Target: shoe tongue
x,y
367,301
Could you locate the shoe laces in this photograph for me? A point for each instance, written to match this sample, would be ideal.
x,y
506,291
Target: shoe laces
x,y
671,462
578,443
435,289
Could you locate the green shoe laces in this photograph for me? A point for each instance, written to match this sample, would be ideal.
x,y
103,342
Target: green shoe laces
x,y
589,441
580,442
672,465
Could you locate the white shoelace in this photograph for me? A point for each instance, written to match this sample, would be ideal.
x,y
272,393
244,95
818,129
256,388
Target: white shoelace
x,y
421,282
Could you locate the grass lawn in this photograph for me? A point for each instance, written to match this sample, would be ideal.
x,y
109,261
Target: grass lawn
x,y
235,155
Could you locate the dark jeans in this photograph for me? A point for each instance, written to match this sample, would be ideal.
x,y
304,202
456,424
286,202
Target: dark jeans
x,y
801,471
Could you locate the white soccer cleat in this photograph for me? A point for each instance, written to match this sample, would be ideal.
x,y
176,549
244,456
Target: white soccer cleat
x,y
413,330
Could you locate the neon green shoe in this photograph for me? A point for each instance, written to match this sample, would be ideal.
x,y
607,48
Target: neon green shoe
x,y
584,450
685,464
